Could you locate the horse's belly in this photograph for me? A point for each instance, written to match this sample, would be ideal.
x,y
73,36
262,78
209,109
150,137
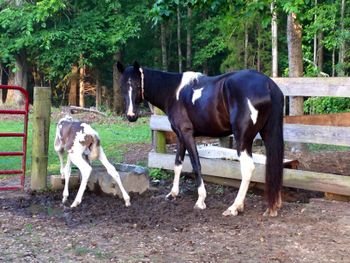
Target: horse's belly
x,y
211,128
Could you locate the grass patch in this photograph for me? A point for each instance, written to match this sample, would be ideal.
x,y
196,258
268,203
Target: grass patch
x,y
115,135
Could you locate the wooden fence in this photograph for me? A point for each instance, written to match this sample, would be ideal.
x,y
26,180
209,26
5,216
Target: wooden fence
x,y
297,129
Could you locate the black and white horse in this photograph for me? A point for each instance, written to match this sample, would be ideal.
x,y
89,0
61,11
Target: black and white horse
x,y
241,103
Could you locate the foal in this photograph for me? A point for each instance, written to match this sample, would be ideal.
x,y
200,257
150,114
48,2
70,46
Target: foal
x,y
82,144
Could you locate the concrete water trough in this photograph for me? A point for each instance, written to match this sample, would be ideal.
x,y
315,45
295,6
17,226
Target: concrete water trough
x,y
134,178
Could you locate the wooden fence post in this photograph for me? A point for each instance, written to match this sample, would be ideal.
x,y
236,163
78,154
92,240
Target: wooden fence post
x,y
41,129
159,136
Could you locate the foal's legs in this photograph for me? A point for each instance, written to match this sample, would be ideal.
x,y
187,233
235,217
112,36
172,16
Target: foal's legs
x,y
85,170
66,172
180,154
113,172
60,152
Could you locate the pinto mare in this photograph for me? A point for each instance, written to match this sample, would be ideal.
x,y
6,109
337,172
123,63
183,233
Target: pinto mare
x,y
82,144
241,103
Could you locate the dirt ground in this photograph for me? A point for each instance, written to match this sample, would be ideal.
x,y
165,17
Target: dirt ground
x,y
36,227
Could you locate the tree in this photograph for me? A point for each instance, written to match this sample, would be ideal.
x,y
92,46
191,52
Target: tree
x,y
274,40
295,57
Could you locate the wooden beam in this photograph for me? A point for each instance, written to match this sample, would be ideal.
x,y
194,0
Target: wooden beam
x,y
292,132
334,119
41,131
318,87
314,181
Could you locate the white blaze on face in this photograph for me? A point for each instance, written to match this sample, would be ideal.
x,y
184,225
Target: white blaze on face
x,y
197,93
187,78
130,111
253,112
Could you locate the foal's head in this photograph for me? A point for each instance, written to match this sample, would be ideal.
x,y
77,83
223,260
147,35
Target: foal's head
x,y
131,84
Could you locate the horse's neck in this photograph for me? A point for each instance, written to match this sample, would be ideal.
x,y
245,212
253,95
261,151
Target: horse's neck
x,y
160,87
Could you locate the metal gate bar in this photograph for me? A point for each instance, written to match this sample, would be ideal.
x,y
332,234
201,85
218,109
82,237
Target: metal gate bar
x,y
17,134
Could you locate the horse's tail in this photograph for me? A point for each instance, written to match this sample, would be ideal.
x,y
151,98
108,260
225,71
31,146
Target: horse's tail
x,y
272,135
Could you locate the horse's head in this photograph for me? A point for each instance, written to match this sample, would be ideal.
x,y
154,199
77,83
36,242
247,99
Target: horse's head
x,y
131,86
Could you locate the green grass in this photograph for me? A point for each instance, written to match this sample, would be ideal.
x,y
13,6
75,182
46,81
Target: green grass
x,y
115,135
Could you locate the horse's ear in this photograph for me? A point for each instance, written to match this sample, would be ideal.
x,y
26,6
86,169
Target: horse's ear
x,y
136,65
120,67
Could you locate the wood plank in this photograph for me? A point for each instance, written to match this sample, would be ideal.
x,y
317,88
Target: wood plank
x,y
314,181
317,134
334,119
315,87
292,132
216,152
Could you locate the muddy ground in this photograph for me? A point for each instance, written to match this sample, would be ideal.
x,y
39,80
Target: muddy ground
x,y
36,227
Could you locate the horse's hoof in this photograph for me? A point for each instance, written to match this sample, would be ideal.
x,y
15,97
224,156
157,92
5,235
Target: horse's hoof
x,y
229,212
127,203
200,206
271,213
75,204
64,200
171,196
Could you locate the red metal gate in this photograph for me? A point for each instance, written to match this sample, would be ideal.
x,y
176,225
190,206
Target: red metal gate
x,y
23,134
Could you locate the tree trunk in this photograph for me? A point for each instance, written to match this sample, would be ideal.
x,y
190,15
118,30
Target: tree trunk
x,y
179,51
333,62
163,46
98,90
295,59
274,41
258,61
246,38
118,102
81,86
189,39
315,40
21,77
4,77
320,51
342,44
73,86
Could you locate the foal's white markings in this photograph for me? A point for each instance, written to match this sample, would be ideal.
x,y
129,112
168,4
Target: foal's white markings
x,y
247,168
202,194
197,93
88,129
253,112
175,189
131,107
187,78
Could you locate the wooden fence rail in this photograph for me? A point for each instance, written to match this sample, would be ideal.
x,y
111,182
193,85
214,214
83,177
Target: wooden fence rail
x,y
293,132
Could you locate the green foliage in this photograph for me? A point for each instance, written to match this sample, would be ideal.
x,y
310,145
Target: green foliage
x,y
158,174
319,105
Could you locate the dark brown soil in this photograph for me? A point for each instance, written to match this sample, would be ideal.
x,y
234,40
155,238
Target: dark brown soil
x,y
37,228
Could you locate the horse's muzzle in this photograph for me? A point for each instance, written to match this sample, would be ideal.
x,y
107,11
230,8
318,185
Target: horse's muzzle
x,y
132,118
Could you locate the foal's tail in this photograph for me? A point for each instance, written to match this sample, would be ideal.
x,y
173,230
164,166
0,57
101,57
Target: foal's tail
x,y
272,134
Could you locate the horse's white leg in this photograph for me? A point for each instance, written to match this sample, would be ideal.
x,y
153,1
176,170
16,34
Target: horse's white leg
x,y
85,170
179,158
202,194
60,151
247,168
113,172
66,171
175,189
60,156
